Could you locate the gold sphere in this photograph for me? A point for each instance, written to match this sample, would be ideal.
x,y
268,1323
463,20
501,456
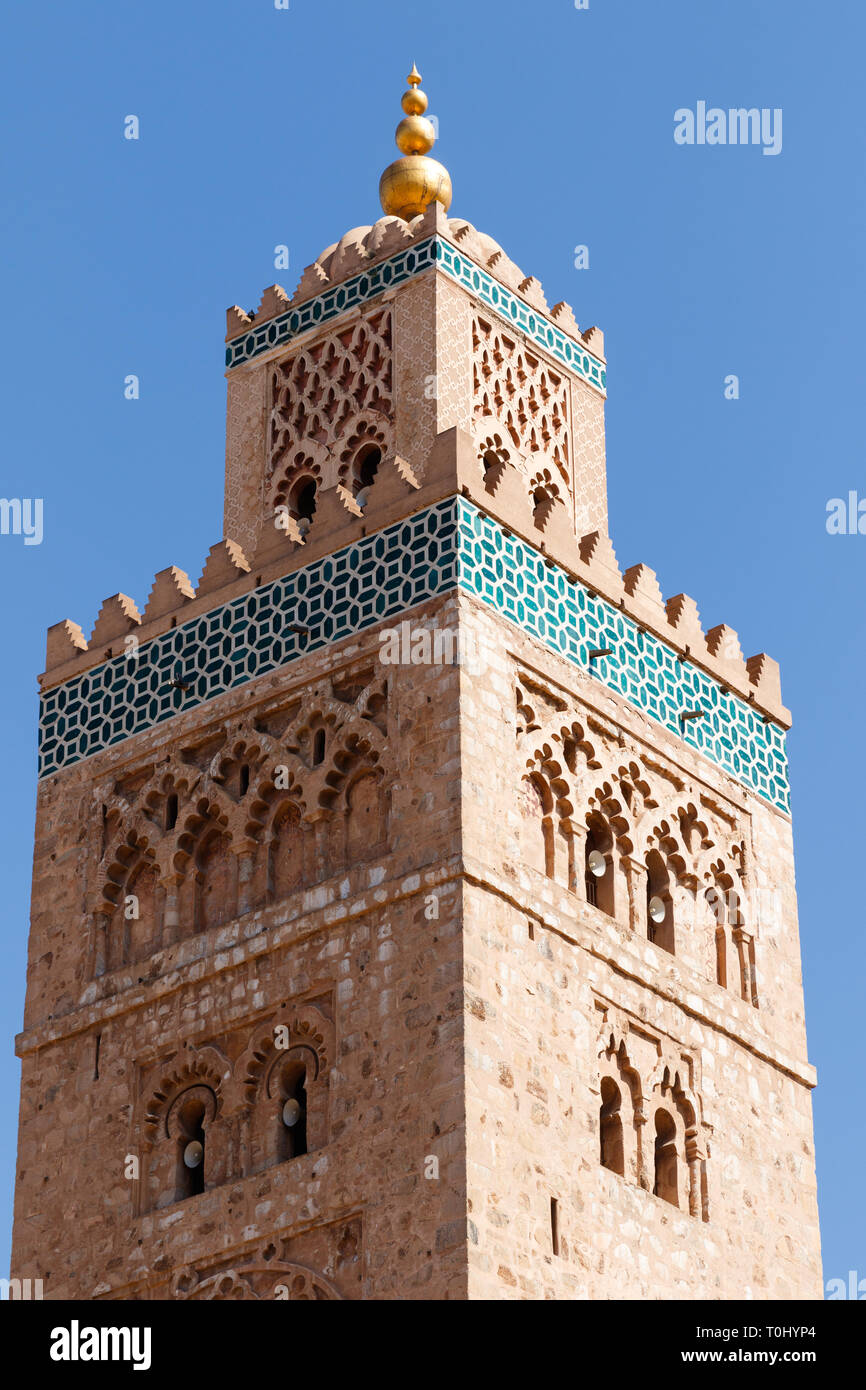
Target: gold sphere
x,y
410,185
415,135
414,102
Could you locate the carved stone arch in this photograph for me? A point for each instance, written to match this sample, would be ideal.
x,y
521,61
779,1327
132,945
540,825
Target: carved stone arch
x,y
205,861
579,749
362,433
545,493
322,712
174,1128
115,811
244,745
185,1101
537,827
621,1115
254,1281
522,390
317,391
301,457
671,1096
204,1066
133,840
211,807
265,794
495,451
270,1072
356,746
613,1043
172,779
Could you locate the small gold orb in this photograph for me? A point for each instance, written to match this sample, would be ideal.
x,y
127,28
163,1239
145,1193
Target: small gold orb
x,y
415,135
414,102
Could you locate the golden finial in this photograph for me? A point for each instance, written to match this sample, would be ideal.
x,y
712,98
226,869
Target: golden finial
x,y
411,184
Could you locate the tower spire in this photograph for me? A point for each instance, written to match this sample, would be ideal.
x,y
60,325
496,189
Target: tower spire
x,y
411,184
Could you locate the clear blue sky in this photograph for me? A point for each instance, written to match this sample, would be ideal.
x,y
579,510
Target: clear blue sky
x,y
261,127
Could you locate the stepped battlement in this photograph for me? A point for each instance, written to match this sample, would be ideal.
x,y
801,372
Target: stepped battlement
x,y
457,468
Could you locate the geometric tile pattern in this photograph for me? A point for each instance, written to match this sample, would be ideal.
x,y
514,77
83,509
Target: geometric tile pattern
x,y
542,332
513,578
380,577
333,302
279,331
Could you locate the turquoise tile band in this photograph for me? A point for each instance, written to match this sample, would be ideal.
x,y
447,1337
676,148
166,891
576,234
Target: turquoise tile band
x,y
380,577
511,577
279,331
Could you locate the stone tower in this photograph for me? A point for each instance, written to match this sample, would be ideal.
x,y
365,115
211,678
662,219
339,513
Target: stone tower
x,y
413,899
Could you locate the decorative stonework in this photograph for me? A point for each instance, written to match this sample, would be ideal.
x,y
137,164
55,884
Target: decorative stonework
x,y
395,271
382,576
329,391
522,395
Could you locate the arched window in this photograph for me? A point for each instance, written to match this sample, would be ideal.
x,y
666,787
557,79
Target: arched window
x,y
215,881
302,503
659,903
364,470
666,1185
537,843
715,900
191,1147
292,1094
599,866
610,1126
140,911
286,852
171,811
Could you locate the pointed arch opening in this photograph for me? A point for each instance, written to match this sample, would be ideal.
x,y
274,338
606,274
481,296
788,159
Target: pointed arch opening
x,y
659,903
610,1127
666,1184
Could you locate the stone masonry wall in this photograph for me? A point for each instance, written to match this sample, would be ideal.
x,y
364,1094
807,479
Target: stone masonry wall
x,y
352,962
560,994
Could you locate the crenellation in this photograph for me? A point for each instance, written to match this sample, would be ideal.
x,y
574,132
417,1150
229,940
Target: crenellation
x,y
644,597
171,590
397,492
225,564
685,621
117,617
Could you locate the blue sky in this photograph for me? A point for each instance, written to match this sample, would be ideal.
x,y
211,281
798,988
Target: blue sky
x,y
261,127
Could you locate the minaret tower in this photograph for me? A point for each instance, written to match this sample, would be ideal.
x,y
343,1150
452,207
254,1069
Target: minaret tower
x,y
413,897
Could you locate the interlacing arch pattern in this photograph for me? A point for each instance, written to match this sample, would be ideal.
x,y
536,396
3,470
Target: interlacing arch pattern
x,y
650,1128
522,396
634,845
316,392
262,817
